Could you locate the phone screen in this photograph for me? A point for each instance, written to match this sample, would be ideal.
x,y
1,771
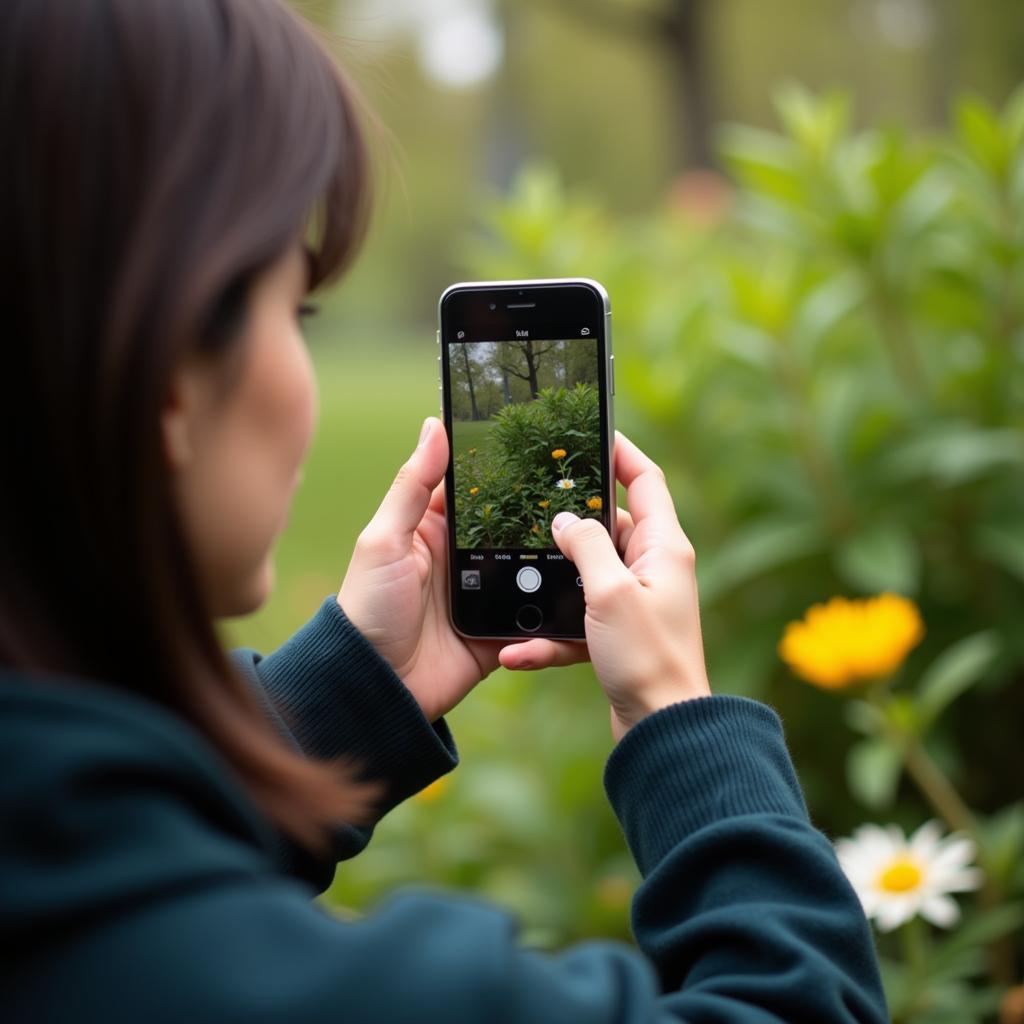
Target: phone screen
x,y
527,410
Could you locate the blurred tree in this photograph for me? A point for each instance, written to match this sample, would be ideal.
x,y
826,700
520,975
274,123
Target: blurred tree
x,y
677,28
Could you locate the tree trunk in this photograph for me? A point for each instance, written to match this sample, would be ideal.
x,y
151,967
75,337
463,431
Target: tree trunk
x,y
531,368
685,32
469,378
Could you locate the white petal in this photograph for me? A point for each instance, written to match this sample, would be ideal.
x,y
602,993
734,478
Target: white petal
x,y
926,840
941,911
964,880
896,836
956,852
873,846
892,913
875,838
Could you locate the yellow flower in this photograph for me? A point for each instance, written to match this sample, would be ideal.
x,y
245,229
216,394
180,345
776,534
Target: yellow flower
x,y
434,791
594,503
472,451
847,641
544,504
474,490
535,528
558,453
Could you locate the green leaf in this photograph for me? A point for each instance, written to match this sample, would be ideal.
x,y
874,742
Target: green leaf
x,y
1003,837
1003,546
954,672
954,454
864,718
826,306
977,930
758,548
817,123
873,771
884,556
982,134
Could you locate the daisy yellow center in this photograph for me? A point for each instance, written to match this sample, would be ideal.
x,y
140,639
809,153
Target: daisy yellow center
x,y
901,876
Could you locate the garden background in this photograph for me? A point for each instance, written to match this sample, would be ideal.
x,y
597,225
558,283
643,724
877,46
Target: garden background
x,y
810,218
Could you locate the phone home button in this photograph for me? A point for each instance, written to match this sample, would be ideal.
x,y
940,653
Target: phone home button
x,y
529,618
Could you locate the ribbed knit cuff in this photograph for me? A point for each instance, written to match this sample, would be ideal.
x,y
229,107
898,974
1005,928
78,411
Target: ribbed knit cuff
x,y
694,763
338,696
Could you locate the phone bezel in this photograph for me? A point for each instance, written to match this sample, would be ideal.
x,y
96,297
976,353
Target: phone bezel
x,y
474,299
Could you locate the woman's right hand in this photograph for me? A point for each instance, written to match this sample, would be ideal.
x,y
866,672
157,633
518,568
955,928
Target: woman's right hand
x,y
642,621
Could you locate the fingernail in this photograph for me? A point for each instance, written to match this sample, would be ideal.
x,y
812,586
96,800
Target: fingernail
x,y
562,520
425,432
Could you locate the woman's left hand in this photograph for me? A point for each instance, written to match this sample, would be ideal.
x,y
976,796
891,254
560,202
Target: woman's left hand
x,y
395,591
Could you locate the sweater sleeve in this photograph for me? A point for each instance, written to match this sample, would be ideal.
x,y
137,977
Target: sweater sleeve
x,y
330,693
743,916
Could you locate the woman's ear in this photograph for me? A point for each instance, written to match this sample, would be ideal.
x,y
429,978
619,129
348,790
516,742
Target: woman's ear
x,y
180,413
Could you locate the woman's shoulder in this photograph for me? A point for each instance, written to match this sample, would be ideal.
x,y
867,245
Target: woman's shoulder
x,y
106,796
83,722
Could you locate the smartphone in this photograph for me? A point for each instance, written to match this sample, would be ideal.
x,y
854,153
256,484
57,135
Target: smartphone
x,y
527,378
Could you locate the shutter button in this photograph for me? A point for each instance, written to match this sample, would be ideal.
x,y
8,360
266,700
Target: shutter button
x,y
528,579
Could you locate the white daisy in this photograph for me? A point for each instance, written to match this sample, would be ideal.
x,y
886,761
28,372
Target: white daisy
x,y
897,878
566,484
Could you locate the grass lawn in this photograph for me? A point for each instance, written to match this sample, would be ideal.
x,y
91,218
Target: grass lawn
x,y
472,434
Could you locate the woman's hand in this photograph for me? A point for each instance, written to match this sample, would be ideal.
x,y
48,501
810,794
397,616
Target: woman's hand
x,y
642,621
395,591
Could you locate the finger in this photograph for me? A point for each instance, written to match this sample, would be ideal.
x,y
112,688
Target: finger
x,y
406,501
542,653
436,503
624,527
647,493
586,543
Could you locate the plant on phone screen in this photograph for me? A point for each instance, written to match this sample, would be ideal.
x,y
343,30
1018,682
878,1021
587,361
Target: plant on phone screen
x,y
540,458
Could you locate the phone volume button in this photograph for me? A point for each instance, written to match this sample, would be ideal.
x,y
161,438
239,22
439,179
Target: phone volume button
x,y
611,367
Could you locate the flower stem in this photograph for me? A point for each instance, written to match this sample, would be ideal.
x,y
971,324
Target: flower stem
x,y
950,806
915,942
937,789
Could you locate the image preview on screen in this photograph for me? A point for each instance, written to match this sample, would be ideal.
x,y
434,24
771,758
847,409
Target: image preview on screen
x,y
526,438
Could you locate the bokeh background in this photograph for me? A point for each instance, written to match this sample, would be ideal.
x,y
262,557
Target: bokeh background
x,y
810,217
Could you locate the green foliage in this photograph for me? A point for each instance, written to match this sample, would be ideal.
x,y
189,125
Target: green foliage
x,y
507,493
826,355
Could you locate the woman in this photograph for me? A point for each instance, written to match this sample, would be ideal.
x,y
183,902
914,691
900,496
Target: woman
x,y
168,811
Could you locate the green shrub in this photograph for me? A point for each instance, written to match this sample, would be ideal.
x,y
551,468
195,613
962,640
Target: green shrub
x,y
507,495
826,355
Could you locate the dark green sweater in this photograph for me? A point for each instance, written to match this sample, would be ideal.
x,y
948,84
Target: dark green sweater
x,y
139,882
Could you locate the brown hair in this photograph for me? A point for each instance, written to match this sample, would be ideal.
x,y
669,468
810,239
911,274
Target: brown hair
x,y
158,155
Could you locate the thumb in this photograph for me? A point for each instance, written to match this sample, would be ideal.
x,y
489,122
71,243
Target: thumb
x,y
587,543
407,499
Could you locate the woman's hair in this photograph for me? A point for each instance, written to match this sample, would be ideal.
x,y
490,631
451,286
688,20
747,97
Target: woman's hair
x,y
157,156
